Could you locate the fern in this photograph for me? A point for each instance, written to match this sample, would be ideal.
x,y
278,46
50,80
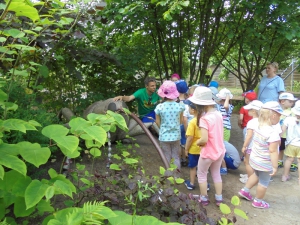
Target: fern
x,y
95,212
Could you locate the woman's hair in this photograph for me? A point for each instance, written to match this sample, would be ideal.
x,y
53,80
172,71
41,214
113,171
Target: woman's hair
x,y
257,112
201,109
264,117
274,64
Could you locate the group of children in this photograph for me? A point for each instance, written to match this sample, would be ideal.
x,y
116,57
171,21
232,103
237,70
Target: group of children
x,y
195,123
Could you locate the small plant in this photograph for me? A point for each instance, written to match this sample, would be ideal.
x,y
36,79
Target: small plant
x,y
225,209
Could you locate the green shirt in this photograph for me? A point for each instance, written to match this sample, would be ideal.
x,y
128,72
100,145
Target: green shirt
x,y
146,103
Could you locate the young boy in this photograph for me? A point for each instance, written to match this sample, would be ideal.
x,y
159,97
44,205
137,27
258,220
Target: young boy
x,y
192,150
286,101
244,116
292,128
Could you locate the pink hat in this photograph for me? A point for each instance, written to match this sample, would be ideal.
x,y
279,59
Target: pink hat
x,y
176,75
168,90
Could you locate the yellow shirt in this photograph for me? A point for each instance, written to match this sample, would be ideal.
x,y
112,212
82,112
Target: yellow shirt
x,y
194,131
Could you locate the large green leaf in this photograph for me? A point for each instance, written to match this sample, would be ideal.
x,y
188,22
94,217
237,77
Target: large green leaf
x,y
67,142
68,216
241,213
65,180
13,162
69,153
34,153
119,120
14,124
50,192
63,188
78,124
55,130
11,149
44,206
20,186
3,96
15,33
1,172
19,208
95,152
22,9
97,133
34,193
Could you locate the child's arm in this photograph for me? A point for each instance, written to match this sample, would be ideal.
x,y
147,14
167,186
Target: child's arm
x,y
240,121
283,128
185,122
181,118
157,120
273,149
226,103
248,140
204,137
189,141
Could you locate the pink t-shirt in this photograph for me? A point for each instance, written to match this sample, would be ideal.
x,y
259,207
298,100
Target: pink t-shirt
x,y
213,123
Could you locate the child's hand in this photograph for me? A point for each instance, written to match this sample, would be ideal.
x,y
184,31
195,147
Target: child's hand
x,y
243,150
274,171
186,152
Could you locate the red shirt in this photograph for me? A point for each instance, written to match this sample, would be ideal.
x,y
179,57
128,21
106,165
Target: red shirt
x,y
246,117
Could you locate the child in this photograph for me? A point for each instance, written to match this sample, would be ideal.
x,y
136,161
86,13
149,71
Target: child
x,y
175,77
182,88
226,109
264,154
232,158
286,101
212,152
168,118
253,110
192,150
187,117
292,126
244,116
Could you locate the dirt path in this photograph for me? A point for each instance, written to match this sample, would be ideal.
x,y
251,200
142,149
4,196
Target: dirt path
x,y
284,198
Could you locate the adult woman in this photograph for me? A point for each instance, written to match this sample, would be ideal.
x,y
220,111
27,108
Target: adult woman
x,y
270,85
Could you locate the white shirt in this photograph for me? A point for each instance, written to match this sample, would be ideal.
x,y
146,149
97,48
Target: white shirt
x,y
293,131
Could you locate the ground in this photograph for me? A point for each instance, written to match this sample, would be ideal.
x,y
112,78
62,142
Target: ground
x,y
283,197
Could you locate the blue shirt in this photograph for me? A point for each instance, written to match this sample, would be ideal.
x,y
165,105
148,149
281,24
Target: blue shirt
x,y
169,113
269,88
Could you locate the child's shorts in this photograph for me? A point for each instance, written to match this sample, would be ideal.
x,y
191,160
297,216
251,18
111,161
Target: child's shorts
x,y
292,151
229,162
282,144
183,137
193,160
226,134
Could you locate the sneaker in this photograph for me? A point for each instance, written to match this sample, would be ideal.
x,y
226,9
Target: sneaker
x,y
245,195
244,179
223,171
189,185
260,205
204,202
280,164
243,175
294,167
285,178
208,186
218,202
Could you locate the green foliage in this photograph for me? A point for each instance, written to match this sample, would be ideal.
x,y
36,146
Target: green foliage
x,y
225,209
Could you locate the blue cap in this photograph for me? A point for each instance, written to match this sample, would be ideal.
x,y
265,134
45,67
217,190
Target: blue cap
x,y
182,86
213,83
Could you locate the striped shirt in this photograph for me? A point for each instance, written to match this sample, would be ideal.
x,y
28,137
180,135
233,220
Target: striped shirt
x,y
260,155
226,115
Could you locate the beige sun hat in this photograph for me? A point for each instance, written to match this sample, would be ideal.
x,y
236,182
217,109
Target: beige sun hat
x,y
202,96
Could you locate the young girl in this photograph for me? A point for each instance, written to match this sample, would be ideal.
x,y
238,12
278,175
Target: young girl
x,y
253,110
226,109
192,150
292,126
264,154
210,121
168,118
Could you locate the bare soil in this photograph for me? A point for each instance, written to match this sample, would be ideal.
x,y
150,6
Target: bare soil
x,y
284,197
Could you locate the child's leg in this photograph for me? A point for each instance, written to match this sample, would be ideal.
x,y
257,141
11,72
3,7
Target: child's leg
x,y
223,165
264,180
203,165
281,150
252,180
249,169
287,165
193,172
216,176
175,153
166,148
